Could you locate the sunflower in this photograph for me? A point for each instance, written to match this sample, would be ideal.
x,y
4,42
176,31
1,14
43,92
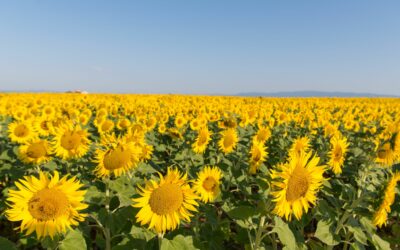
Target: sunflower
x,y
296,185
71,142
106,126
262,135
207,184
43,126
195,124
228,141
165,203
117,159
258,153
46,205
202,140
146,152
21,131
381,215
337,154
180,121
37,151
299,146
385,155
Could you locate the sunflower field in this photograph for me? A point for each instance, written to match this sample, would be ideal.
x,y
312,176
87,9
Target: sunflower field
x,y
102,171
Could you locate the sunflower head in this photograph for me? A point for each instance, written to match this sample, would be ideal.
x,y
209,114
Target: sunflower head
x,y
337,154
296,184
21,131
164,203
258,153
117,158
207,184
71,142
202,140
48,205
37,151
228,141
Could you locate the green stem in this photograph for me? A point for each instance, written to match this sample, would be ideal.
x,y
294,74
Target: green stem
x,y
160,237
260,230
107,233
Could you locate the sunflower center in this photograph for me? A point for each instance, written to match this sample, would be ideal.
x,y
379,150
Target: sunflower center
x,y
48,204
36,150
384,151
44,126
228,140
21,130
106,126
338,153
166,199
71,140
256,155
202,138
298,184
209,184
117,158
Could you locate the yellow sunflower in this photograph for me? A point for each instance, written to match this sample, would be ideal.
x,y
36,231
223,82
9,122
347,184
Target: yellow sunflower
x,y
299,146
381,215
228,141
337,154
202,140
46,205
117,159
71,142
262,135
258,153
165,203
21,131
207,184
37,151
385,155
296,185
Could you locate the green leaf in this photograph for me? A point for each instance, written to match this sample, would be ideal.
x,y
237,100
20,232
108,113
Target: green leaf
x,y
141,233
6,244
180,242
124,190
242,212
73,240
379,243
358,233
325,233
285,235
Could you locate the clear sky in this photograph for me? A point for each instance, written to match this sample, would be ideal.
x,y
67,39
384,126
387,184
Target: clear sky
x,y
205,47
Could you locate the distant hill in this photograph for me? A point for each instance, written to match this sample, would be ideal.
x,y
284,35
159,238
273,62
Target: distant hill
x,y
313,94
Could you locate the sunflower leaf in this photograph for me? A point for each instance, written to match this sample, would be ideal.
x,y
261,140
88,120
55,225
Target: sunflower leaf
x,y
73,240
285,235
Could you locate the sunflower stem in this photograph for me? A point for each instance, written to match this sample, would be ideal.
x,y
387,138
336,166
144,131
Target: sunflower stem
x,y
107,233
160,237
260,230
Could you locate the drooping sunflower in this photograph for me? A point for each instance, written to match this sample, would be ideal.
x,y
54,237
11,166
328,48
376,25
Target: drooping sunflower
x,y
207,184
37,151
258,153
117,159
202,140
165,203
296,185
71,142
228,141
337,154
381,215
47,206
21,131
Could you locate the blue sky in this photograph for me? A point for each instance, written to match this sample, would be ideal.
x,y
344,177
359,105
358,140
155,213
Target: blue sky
x,y
203,47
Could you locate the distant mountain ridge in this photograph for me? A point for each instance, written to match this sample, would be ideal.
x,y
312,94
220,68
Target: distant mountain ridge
x,y
311,93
